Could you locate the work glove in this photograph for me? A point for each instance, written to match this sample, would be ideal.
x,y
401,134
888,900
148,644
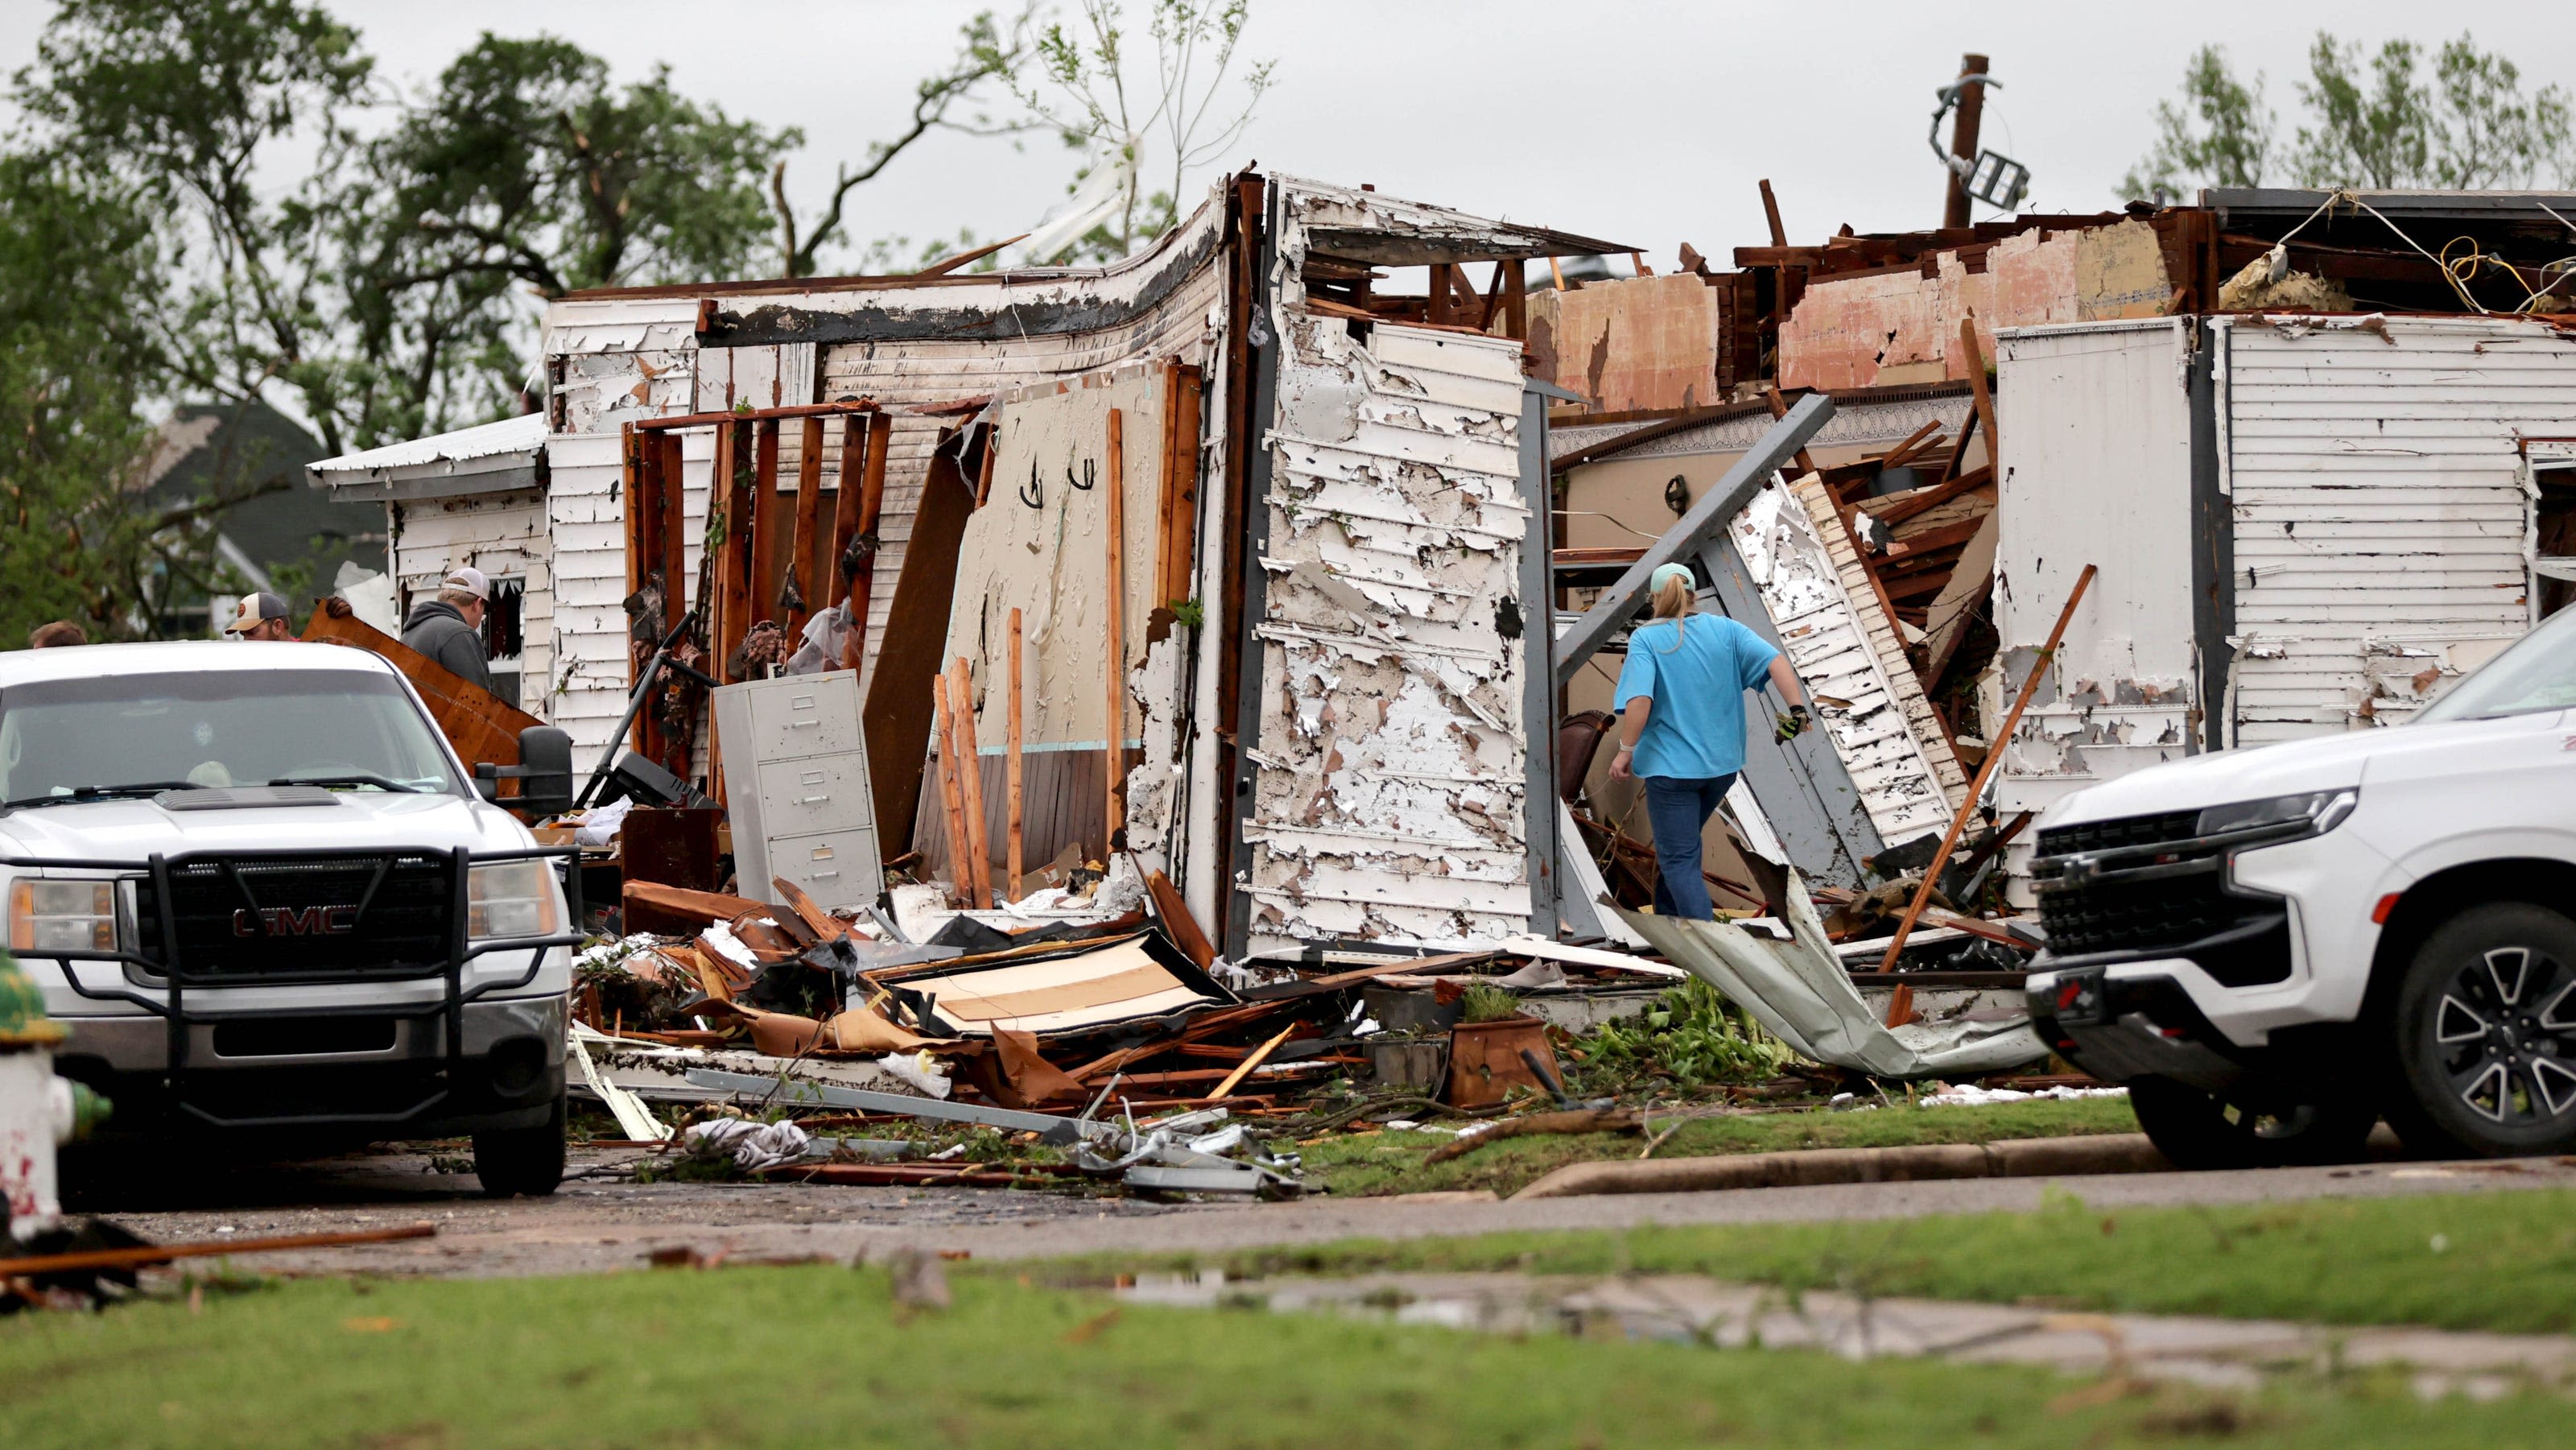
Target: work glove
x,y
1793,723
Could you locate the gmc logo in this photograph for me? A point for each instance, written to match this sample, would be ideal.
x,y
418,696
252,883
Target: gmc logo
x,y
288,921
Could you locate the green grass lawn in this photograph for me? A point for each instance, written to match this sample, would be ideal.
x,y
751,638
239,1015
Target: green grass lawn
x,y
817,1355
1380,1163
2501,1261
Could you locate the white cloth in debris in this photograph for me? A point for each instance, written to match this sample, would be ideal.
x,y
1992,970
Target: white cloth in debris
x,y
1969,1095
602,824
753,1146
1802,992
919,1069
827,637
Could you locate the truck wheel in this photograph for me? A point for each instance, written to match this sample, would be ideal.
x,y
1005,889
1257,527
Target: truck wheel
x,y
2196,1130
2486,1035
528,1161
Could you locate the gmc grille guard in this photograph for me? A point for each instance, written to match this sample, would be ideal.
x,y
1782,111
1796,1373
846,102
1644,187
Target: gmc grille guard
x,y
172,970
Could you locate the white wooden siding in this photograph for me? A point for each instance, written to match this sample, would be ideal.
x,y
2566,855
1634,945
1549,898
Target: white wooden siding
x,y
2096,419
1842,646
2381,524
500,534
1388,799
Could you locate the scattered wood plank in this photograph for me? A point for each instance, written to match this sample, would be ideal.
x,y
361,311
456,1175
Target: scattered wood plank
x,y
797,592
477,722
145,1255
943,717
1177,921
1580,1120
1113,806
1244,1068
1014,828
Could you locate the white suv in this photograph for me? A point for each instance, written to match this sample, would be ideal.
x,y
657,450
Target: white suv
x,y
264,894
2277,947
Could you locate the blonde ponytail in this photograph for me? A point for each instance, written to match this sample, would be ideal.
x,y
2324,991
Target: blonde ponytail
x,y
1674,602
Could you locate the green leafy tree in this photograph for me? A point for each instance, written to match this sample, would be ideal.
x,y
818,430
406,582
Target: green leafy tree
x,y
2220,134
2373,120
180,101
78,538
289,230
1168,116
525,174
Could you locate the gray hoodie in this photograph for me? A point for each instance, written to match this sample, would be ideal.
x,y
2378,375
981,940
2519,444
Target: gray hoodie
x,y
437,630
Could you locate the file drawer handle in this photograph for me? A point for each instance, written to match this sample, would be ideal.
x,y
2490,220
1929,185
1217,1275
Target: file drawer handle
x,y
813,800
819,875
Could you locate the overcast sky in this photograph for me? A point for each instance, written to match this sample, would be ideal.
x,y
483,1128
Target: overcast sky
x,y
1643,123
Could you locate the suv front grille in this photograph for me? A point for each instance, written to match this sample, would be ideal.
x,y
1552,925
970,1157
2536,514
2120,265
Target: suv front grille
x,y
2169,913
2126,831
386,915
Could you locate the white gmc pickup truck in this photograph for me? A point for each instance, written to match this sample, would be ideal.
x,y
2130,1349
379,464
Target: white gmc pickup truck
x,y
267,898
2275,948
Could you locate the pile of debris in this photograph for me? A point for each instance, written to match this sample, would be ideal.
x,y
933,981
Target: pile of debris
x,y
1087,1035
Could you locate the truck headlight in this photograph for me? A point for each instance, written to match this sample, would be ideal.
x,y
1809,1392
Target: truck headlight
x,y
62,916
2311,814
509,900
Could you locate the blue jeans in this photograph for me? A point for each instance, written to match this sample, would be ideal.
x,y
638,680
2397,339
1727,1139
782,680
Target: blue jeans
x,y
1679,811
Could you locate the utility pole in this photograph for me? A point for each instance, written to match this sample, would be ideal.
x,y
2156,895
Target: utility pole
x,y
1963,137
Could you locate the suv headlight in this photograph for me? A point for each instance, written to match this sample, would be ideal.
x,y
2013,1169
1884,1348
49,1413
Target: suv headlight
x,y
2318,811
510,900
62,916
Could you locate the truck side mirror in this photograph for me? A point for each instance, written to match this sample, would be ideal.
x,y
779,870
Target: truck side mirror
x,y
545,765
544,772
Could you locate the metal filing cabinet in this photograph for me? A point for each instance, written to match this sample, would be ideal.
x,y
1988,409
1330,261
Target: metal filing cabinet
x,y
796,787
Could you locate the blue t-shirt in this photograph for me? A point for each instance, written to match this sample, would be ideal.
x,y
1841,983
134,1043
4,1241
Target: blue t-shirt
x,y
1696,670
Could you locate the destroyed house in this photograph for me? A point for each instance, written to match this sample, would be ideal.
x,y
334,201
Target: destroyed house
x,y
2321,472
1263,534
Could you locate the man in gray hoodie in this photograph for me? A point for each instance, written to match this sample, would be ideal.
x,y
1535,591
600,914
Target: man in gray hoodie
x,y
448,627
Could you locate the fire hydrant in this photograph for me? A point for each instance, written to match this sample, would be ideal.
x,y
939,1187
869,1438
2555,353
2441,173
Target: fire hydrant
x,y
38,1111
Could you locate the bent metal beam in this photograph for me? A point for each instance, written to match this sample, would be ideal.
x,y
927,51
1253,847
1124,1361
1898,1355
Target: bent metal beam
x,y
1713,512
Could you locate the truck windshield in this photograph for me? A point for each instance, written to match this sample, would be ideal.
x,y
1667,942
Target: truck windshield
x,y
2537,672
350,729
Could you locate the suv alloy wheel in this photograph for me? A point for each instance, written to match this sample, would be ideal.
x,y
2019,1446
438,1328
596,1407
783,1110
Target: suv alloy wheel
x,y
2485,1035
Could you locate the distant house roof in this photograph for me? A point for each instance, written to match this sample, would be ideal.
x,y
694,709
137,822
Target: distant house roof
x,y
230,449
487,458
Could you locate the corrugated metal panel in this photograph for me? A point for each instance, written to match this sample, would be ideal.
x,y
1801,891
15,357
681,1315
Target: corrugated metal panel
x,y
2382,528
2097,470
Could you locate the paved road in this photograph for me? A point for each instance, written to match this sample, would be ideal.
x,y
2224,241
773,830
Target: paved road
x,y
599,1225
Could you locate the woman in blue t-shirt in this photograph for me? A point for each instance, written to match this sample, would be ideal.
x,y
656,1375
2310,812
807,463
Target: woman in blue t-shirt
x,y
1682,696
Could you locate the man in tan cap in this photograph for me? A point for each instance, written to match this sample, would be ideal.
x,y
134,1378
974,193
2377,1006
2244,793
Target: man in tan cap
x,y
447,628
259,616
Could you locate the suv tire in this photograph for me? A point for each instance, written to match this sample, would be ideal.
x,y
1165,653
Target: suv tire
x,y
2196,1130
514,1161
2484,1035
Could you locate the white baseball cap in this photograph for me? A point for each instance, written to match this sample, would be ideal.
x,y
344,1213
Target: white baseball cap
x,y
466,579
254,610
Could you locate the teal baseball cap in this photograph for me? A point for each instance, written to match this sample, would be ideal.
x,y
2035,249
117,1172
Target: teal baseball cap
x,y
1666,573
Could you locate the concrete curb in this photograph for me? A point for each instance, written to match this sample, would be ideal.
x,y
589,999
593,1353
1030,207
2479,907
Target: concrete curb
x,y
2014,1158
